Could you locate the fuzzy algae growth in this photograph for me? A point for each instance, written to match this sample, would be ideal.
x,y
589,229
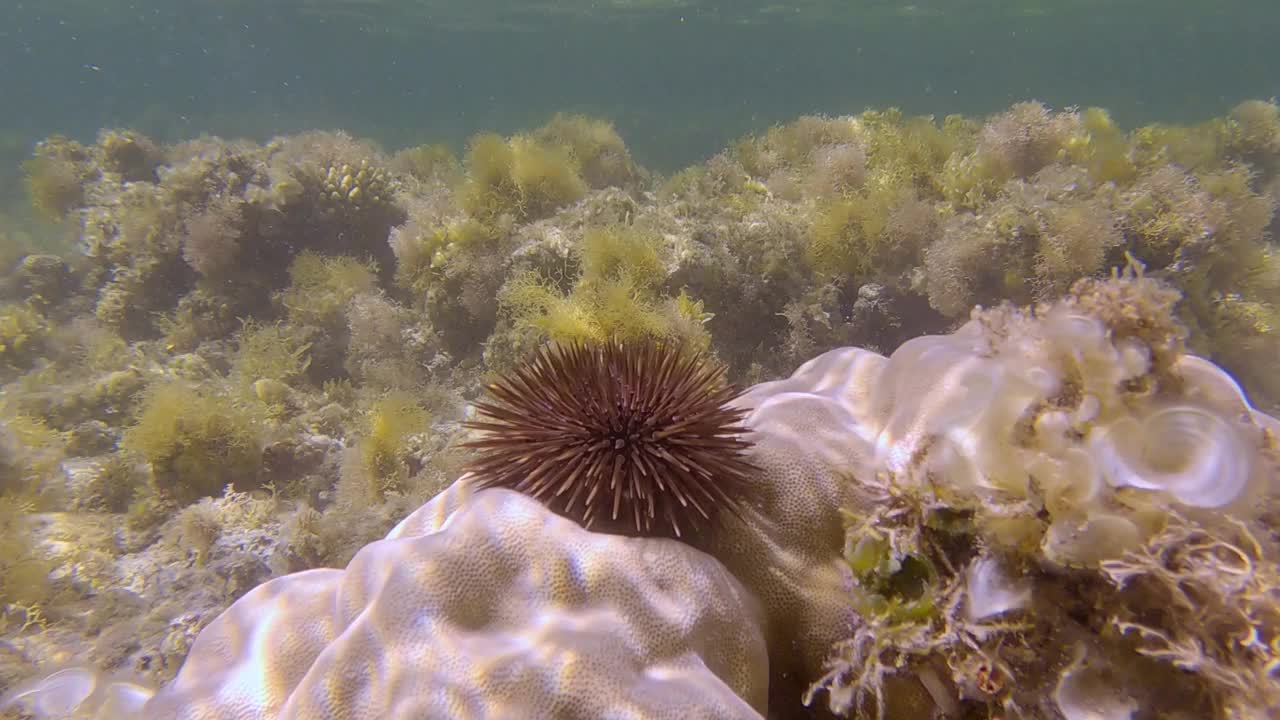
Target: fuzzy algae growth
x,y
195,441
260,363
616,295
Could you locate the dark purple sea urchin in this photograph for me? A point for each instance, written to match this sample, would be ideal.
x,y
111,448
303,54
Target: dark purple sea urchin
x,y
632,438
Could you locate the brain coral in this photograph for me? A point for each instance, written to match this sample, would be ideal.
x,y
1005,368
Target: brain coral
x,y
806,432
484,605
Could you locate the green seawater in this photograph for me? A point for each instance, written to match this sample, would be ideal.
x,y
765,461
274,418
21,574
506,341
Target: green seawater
x,y
679,78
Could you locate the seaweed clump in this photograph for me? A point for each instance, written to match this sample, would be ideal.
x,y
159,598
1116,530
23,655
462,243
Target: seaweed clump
x,y
618,294
530,176
56,176
520,177
385,452
22,333
452,269
197,441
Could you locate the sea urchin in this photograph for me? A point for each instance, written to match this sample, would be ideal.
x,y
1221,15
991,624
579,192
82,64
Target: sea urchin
x,y
634,438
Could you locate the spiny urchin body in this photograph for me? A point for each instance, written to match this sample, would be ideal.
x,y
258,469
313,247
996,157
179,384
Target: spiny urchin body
x,y
635,438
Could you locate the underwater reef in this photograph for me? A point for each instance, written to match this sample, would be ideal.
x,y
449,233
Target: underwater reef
x,y
309,428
